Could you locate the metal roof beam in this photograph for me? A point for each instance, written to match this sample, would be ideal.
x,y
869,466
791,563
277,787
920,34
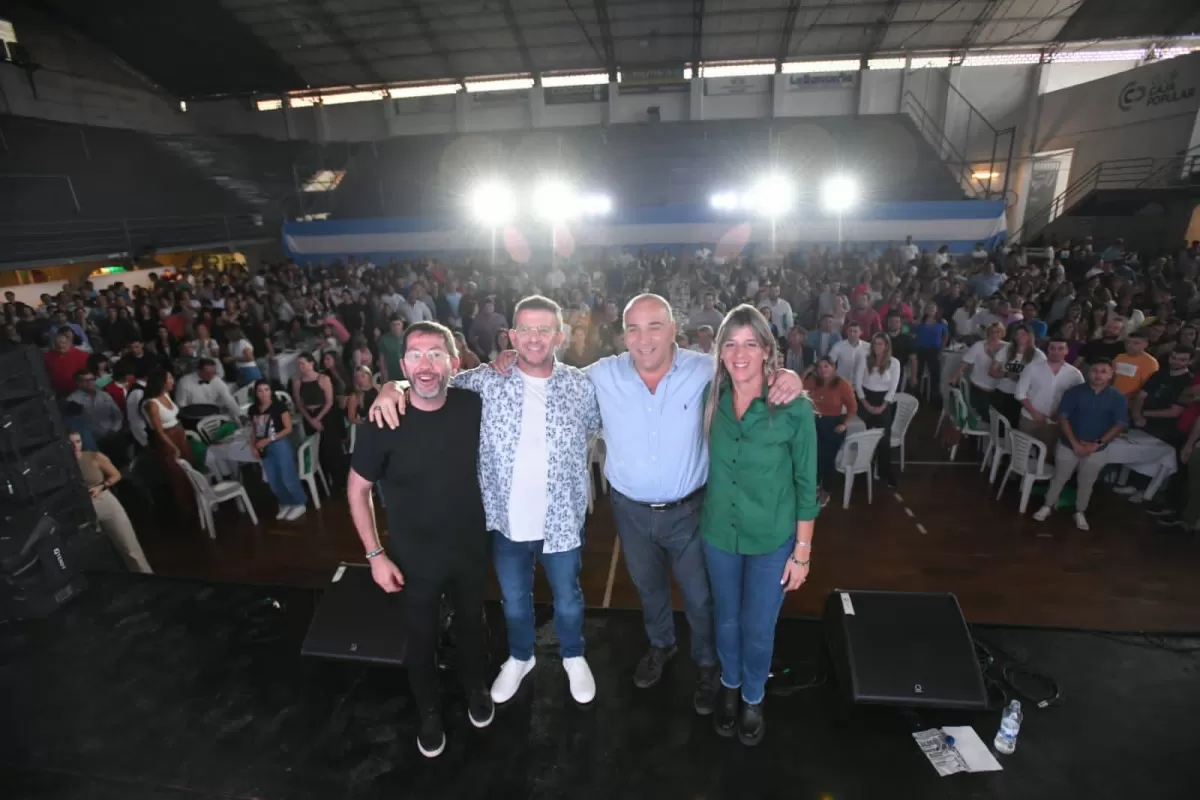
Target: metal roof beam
x,y
510,20
328,22
880,30
606,38
430,37
981,22
785,36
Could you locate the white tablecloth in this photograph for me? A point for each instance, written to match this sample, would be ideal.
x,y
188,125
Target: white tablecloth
x,y
224,458
284,367
1146,455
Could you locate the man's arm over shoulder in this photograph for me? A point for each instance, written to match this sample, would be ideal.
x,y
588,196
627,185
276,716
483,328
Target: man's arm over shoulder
x,y
475,380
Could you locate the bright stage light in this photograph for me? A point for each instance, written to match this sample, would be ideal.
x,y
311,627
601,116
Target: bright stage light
x,y
596,205
725,201
839,193
491,204
554,200
772,196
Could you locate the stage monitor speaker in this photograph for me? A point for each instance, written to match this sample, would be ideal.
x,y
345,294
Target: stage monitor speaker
x,y
29,424
355,620
904,649
36,575
23,375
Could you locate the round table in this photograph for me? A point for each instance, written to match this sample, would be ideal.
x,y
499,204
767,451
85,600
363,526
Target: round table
x,y
226,456
190,416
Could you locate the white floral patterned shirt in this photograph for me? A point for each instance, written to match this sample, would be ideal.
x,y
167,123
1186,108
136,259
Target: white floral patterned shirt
x,y
572,419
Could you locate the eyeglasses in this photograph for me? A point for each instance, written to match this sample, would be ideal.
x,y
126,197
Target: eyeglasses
x,y
435,356
541,330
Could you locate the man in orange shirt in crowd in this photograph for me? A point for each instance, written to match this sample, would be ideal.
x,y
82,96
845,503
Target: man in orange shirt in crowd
x,y
64,361
1134,367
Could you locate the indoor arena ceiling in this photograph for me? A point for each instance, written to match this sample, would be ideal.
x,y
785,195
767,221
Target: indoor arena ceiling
x,y
210,47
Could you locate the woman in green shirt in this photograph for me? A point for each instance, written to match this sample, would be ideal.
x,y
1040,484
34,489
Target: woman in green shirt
x,y
757,520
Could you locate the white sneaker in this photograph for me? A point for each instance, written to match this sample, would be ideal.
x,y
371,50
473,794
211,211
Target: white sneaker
x,y
512,672
296,512
579,675
283,512
1042,513
1126,489
1081,521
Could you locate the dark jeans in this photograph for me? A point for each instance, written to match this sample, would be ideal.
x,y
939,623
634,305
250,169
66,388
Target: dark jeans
x,y
829,442
514,569
981,402
427,576
1008,406
930,358
747,595
883,453
653,542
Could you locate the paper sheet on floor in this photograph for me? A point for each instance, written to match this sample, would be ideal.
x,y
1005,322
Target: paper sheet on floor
x,y
967,754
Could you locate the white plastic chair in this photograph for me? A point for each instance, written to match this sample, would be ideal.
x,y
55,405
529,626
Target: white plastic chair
x,y
209,496
961,410
855,457
242,395
597,454
207,427
1027,459
286,399
998,445
310,468
906,409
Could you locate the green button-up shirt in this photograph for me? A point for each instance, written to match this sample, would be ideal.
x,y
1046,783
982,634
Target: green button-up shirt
x,y
762,475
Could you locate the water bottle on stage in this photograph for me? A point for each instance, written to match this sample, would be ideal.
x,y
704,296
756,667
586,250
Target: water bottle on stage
x,y
1010,726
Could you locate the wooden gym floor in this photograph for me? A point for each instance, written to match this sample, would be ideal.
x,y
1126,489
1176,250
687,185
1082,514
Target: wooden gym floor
x,y
942,530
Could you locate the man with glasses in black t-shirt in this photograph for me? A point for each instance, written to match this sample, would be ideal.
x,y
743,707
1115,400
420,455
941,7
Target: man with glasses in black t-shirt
x,y
438,540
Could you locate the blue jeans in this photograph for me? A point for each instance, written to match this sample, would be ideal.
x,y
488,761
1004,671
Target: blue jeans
x,y
248,375
653,541
514,569
747,596
279,462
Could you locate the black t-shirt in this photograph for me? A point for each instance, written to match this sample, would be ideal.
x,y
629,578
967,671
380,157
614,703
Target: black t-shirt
x,y
1098,348
1163,390
428,467
903,346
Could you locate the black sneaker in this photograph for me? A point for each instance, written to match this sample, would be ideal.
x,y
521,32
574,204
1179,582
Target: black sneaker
x,y
725,718
751,724
649,669
480,708
431,739
707,683
1159,511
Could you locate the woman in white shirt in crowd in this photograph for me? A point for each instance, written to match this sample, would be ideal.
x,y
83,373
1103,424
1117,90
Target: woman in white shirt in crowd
x,y
207,347
241,356
1007,366
875,383
979,360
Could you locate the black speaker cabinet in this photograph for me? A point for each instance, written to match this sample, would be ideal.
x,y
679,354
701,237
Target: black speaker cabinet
x,y
903,648
36,574
355,620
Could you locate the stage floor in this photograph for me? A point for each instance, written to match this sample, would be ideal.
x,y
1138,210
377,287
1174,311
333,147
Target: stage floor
x,y
162,689
943,530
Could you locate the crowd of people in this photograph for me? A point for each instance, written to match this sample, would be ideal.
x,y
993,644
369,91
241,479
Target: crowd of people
x,y
1071,344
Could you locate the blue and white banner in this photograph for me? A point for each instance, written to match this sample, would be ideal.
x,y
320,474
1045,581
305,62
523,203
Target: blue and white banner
x,y
959,224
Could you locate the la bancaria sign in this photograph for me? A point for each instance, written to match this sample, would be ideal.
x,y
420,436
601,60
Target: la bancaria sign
x,y
1163,90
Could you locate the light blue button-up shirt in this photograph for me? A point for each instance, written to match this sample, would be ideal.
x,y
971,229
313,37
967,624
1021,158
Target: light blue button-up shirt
x,y
656,451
